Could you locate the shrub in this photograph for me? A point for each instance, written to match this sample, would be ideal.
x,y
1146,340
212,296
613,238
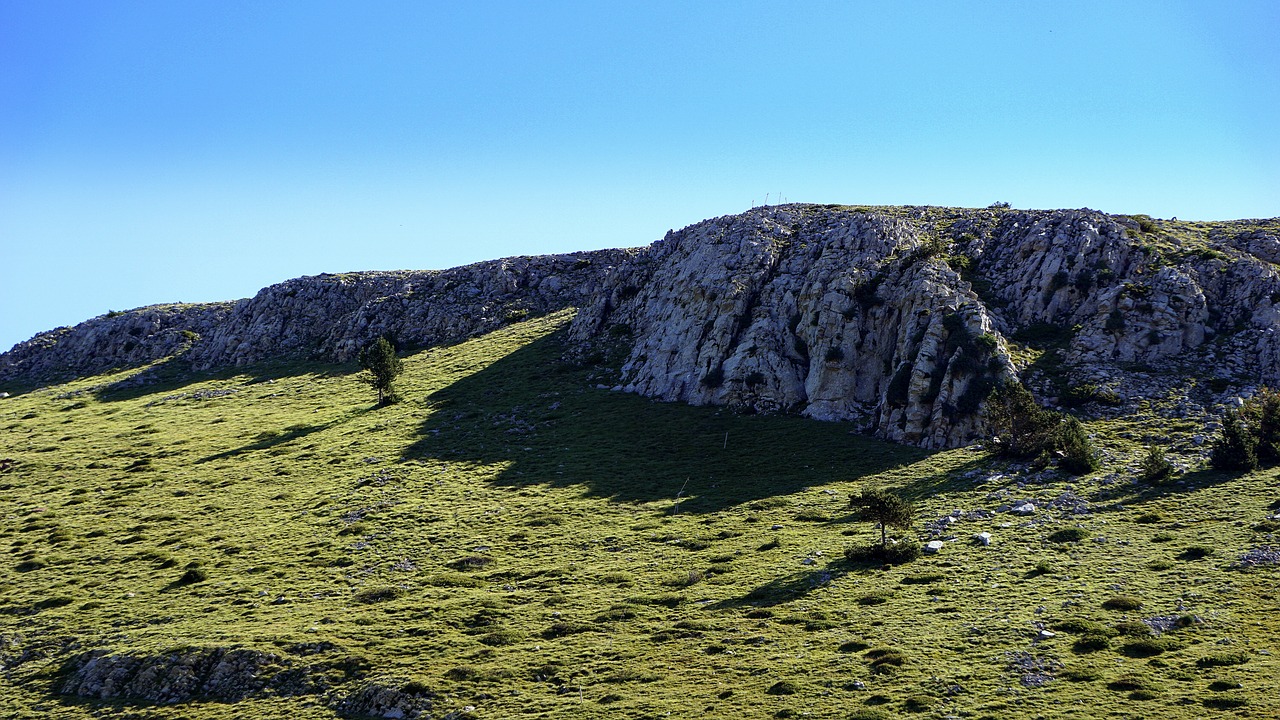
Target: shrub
x,y
1132,681
372,595
1237,447
714,377
899,387
1237,657
1147,647
923,578
1080,626
1017,426
499,638
1226,702
1195,552
1091,642
885,659
918,703
853,646
1133,628
1078,455
783,687
1122,602
194,574
1156,468
1074,534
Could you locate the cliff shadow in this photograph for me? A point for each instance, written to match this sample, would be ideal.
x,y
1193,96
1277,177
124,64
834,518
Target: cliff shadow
x,y
547,424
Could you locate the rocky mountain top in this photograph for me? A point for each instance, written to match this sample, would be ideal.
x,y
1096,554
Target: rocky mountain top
x,y
902,318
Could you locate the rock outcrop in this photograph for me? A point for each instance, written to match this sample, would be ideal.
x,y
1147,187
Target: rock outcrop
x,y
213,674
325,317
902,319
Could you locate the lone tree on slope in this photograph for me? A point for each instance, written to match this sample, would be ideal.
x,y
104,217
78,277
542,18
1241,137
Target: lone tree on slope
x,y
885,509
381,369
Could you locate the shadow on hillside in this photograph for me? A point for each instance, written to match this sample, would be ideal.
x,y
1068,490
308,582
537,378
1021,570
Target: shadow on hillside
x,y
268,440
796,585
173,374
1128,493
539,419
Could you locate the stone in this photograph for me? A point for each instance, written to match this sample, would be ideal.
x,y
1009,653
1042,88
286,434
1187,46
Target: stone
x,y
933,546
983,538
1025,509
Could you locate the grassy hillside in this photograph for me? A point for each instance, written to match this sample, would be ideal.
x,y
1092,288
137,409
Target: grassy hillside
x,y
510,541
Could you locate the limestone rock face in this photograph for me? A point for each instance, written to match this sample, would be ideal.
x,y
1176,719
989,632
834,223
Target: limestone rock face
x,y
833,315
902,318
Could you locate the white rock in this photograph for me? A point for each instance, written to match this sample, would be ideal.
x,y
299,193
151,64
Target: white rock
x,y
933,546
983,538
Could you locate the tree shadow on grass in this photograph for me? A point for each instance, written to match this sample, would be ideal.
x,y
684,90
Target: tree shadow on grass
x,y
268,440
1131,493
543,424
175,373
797,585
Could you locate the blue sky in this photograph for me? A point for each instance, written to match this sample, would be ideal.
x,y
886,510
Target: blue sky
x,y
192,151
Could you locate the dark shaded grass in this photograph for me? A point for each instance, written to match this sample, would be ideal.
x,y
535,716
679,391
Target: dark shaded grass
x,y
632,449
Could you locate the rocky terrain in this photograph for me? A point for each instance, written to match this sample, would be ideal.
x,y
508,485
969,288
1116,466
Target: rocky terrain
x,y
900,318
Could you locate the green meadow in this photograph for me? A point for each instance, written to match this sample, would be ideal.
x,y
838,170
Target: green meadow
x,y
512,541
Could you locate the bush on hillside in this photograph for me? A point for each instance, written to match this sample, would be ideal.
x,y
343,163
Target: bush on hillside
x,y
1156,468
1018,427
1251,435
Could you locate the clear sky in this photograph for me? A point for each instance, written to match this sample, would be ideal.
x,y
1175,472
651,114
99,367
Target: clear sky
x,y
160,151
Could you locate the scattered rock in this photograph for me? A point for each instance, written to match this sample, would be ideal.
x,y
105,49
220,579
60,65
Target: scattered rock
x,y
983,538
933,546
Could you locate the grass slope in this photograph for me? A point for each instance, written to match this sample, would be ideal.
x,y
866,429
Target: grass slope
x,y
519,543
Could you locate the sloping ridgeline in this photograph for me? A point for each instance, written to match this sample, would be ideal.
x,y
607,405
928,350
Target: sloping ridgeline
x,y
326,317
900,318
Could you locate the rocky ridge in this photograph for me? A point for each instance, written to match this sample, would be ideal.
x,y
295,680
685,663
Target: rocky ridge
x,y
900,318
904,318
325,317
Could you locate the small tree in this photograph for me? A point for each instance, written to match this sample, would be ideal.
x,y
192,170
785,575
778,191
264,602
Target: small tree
x,y
1237,449
1265,411
1018,426
1156,468
1078,455
883,508
381,369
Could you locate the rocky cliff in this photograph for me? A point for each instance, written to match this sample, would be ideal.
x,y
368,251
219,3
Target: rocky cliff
x,y
900,318
905,318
